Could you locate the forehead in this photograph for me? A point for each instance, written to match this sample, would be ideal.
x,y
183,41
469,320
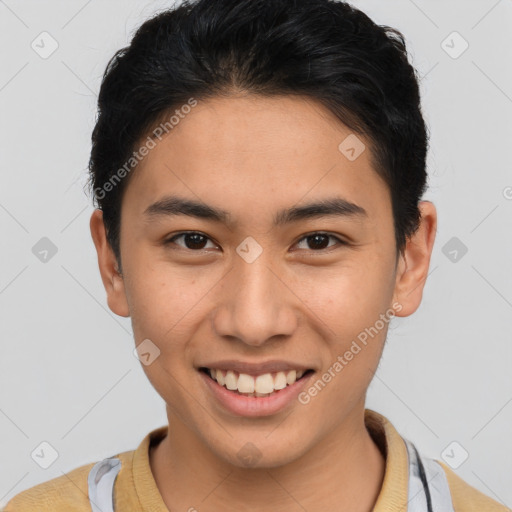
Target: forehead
x,y
259,154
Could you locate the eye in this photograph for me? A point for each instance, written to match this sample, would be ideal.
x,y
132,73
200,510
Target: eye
x,y
193,240
318,240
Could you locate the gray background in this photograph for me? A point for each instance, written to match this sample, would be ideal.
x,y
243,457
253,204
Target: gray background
x,y
68,374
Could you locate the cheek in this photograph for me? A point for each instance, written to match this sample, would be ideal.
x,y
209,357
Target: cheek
x,y
350,298
351,305
166,309
165,304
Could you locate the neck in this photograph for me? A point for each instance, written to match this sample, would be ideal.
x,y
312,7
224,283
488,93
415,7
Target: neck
x,y
347,466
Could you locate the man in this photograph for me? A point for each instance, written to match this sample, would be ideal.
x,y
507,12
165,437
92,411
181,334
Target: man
x,y
258,168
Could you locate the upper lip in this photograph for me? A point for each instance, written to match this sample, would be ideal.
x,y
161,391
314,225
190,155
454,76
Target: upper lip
x,y
271,366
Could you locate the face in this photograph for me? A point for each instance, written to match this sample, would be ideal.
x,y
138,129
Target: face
x,y
257,277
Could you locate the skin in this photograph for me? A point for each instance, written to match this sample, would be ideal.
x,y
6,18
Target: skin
x,y
253,156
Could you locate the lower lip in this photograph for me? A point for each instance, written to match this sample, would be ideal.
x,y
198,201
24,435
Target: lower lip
x,y
255,406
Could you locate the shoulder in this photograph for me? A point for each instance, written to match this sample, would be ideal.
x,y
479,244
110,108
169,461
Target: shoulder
x,y
466,498
68,492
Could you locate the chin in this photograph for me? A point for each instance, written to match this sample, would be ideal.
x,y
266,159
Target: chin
x,y
261,454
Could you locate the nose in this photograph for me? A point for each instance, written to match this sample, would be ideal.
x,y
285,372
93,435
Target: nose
x,y
256,304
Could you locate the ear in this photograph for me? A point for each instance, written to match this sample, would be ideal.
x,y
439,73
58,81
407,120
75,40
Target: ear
x,y
112,279
413,265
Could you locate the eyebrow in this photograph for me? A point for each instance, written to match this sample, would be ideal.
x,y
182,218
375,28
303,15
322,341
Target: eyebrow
x,y
170,206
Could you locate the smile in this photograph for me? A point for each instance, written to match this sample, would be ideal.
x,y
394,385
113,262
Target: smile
x,y
254,403
255,386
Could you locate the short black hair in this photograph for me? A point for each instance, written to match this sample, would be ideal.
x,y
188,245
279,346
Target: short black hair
x,y
325,50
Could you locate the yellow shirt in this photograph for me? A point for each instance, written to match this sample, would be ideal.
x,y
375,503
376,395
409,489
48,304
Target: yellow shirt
x,y
135,489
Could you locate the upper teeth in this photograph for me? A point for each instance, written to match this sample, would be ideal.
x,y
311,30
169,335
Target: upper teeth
x,y
263,384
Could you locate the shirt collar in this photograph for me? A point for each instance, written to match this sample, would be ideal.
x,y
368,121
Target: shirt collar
x,y
393,493
392,496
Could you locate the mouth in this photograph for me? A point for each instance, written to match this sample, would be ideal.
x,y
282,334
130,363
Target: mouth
x,y
257,386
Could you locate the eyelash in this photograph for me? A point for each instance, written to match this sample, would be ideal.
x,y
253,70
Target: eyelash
x,y
183,233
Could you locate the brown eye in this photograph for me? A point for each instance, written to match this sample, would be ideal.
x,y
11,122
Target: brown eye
x,y
193,240
319,241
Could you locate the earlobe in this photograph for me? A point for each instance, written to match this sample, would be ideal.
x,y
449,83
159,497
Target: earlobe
x,y
413,266
112,279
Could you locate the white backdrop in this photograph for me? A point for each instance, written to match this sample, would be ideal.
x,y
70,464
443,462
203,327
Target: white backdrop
x,y
68,374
